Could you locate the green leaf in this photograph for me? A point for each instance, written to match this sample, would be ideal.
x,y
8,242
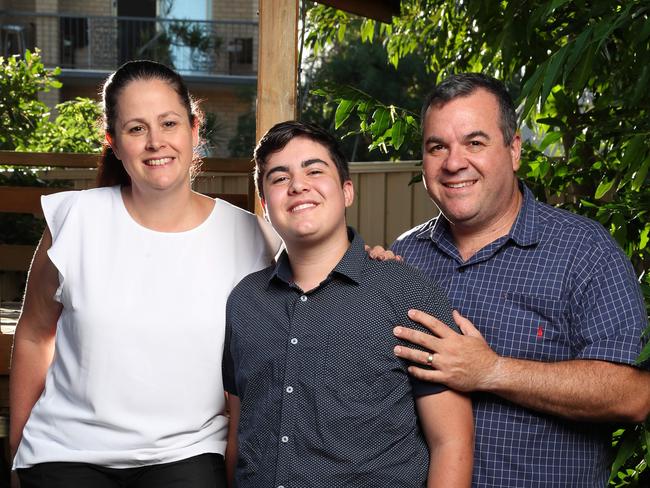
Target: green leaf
x,y
367,30
343,111
644,237
555,4
341,31
381,121
646,432
552,73
531,89
583,70
634,150
398,133
550,138
626,448
643,357
577,52
603,188
551,121
640,176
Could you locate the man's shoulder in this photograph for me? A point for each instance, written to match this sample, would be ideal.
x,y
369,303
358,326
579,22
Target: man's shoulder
x,y
567,226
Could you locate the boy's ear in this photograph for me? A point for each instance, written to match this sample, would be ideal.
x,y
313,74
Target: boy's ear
x,y
264,209
348,192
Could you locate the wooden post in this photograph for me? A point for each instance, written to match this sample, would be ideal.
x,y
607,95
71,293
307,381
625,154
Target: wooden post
x,y
277,66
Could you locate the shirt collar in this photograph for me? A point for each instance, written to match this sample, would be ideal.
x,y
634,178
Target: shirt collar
x,y
350,265
525,231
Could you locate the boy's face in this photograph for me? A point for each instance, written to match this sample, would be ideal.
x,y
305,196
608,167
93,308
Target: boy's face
x,y
303,195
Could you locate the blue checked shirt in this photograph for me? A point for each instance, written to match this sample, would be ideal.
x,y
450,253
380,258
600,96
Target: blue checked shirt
x,y
557,287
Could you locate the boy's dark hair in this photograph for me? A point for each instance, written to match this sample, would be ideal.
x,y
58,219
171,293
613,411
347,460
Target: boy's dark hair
x,y
278,136
465,84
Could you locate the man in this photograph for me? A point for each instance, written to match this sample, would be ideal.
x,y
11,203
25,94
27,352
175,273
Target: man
x,y
552,310
312,407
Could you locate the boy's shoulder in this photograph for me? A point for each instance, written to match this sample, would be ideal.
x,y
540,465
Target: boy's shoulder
x,y
393,273
253,283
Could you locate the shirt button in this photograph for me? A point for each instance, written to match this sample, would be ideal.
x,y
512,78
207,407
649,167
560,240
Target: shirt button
x,y
303,298
461,270
294,341
285,439
289,389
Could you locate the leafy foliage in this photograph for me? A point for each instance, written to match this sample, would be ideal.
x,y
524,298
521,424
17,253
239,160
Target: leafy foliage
x,y
20,110
75,129
26,125
334,70
577,69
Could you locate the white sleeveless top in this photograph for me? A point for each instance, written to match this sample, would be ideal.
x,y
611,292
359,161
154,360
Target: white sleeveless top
x,y
136,377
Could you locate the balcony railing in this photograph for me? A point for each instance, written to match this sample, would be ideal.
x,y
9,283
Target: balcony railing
x,y
71,41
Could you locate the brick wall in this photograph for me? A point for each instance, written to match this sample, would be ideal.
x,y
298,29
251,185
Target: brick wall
x,y
234,9
47,6
87,7
26,5
227,103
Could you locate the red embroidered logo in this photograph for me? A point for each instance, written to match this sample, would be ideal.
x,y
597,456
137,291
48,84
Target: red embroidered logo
x,y
540,332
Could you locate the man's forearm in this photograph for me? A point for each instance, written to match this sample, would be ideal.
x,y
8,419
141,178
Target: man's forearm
x,y
577,389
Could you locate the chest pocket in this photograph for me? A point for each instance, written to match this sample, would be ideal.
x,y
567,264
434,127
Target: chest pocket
x,y
520,325
534,328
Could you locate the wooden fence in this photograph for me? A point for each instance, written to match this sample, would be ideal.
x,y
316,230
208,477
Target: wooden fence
x,y
385,204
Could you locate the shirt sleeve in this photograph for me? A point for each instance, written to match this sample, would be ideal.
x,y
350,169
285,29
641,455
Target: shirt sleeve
x,y
608,314
435,303
63,223
227,367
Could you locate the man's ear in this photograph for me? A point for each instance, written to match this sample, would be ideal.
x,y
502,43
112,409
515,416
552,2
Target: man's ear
x,y
348,193
515,151
110,142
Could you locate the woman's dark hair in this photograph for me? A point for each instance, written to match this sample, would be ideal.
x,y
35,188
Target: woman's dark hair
x,y
111,170
281,134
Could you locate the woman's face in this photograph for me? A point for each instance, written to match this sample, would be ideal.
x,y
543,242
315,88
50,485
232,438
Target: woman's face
x,y
153,136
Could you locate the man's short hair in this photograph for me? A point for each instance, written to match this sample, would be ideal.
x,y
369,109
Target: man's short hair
x,y
465,84
281,134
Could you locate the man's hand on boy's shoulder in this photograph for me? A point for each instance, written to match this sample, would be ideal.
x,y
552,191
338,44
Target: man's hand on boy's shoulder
x,y
380,254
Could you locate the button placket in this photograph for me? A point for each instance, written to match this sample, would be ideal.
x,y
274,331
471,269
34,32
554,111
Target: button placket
x,y
299,321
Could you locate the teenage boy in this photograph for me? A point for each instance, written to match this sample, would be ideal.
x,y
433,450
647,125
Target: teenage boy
x,y
317,397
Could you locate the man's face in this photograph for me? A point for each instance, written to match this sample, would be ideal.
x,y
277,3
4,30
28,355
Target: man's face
x,y
469,172
303,194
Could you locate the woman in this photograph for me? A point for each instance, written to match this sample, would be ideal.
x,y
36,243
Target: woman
x,y
132,279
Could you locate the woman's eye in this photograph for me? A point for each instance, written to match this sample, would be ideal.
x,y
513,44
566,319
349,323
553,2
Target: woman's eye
x,y
136,129
279,179
169,123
